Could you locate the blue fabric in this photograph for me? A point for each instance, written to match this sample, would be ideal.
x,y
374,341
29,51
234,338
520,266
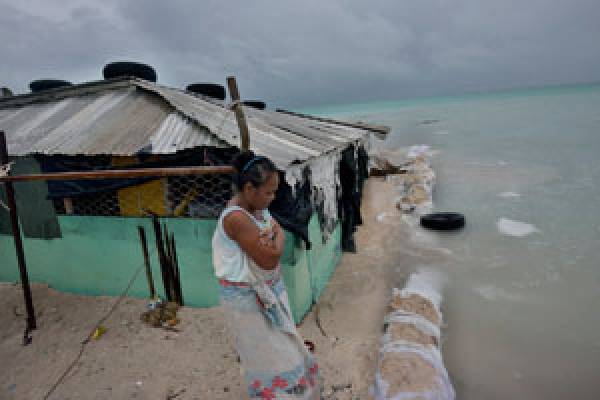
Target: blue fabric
x,y
249,163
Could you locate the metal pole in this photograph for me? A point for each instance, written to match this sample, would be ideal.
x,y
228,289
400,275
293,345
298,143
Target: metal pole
x,y
14,220
239,112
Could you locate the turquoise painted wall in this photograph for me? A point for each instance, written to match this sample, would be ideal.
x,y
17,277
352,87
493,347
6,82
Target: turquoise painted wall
x,y
99,255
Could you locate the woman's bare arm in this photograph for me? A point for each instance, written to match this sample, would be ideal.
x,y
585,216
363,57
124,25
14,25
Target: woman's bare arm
x,y
239,227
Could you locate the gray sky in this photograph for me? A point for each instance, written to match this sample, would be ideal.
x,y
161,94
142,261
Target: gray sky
x,y
300,53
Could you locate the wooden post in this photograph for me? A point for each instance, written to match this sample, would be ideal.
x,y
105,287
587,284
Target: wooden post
x,y
12,205
68,203
120,173
142,233
162,257
239,112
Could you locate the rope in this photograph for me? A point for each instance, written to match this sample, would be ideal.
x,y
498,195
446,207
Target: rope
x,y
89,336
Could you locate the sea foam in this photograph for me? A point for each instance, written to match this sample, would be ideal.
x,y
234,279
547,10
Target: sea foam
x,y
515,228
508,195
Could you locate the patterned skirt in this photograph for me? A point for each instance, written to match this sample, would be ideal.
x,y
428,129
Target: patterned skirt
x,y
276,365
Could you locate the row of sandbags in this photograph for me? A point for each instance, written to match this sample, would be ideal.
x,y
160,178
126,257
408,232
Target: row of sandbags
x,y
410,363
413,177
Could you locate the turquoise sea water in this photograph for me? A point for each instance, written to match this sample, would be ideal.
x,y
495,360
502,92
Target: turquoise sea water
x,y
522,311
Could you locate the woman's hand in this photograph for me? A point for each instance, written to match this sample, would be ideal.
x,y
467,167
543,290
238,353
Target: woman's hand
x,y
273,236
276,227
240,228
267,237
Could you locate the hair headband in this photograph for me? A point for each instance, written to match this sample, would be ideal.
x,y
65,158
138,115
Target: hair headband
x,y
249,163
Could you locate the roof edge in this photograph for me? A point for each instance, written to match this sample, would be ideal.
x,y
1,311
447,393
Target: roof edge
x,y
67,91
380,129
151,87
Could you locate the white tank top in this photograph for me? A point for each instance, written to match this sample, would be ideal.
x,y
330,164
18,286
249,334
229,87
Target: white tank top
x,y
229,260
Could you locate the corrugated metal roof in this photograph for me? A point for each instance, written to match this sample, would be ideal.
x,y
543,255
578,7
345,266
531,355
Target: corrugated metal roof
x,y
123,117
119,122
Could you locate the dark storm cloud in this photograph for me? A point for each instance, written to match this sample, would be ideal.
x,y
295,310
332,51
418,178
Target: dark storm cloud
x,y
310,52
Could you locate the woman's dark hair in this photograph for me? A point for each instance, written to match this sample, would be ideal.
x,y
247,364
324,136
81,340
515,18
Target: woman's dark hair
x,y
251,168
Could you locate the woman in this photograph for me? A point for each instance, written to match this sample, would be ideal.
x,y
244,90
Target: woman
x,y
247,246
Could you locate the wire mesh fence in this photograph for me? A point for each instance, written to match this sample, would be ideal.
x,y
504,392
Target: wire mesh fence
x,y
197,196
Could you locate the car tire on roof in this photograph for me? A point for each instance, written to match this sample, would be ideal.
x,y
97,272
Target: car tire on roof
x,y
128,68
260,105
45,84
213,90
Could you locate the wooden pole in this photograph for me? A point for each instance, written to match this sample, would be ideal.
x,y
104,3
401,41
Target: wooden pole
x,y
68,203
176,272
142,233
162,258
170,269
120,173
239,112
14,220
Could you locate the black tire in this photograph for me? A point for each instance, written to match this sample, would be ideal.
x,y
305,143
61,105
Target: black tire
x,y
443,221
259,105
212,90
126,68
5,92
45,84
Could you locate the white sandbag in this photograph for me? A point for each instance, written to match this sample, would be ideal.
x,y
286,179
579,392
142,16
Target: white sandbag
x,y
418,321
410,363
427,283
418,150
431,384
415,185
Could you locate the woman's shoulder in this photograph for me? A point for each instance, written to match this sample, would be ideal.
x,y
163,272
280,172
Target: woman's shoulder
x,y
234,214
236,220
231,208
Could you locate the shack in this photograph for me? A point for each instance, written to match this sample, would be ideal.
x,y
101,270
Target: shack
x,y
82,236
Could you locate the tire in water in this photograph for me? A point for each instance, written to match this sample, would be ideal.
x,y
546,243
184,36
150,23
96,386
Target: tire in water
x,y
443,221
